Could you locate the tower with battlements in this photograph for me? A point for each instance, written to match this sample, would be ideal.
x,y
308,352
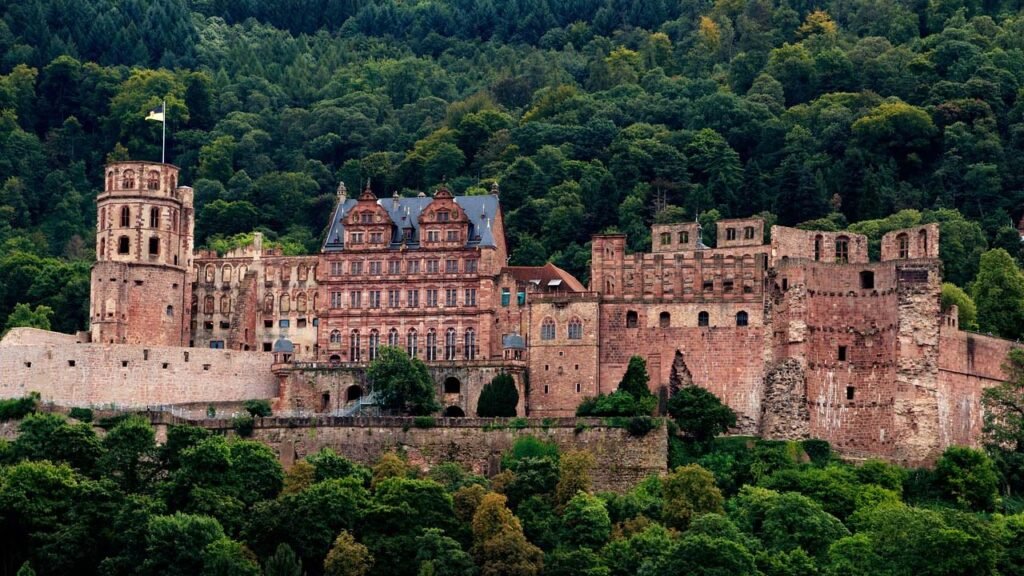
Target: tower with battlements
x,y
140,286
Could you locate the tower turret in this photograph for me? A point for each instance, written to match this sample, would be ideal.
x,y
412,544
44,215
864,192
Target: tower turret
x,y
141,289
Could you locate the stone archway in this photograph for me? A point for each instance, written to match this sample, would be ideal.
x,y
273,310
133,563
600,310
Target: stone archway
x,y
454,412
452,385
353,393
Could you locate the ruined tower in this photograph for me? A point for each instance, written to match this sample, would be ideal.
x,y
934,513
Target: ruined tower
x,y
141,289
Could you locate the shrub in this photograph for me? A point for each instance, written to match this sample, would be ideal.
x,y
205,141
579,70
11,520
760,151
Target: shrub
x,y
499,397
258,408
618,403
81,414
641,425
528,447
243,425
700,414
819,451
424,422
18,408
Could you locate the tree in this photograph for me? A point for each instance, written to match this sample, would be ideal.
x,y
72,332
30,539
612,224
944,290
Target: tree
x,y
439,555
1003,429
968,477
499,546
347,557
283,562
401,383
635,380
573,475
225,557
700,414
689,492
585,522
498,397
967,311
998,292
175,545
130,456
25,316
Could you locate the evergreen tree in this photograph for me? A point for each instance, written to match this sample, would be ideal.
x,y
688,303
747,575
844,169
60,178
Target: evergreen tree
x,y
635,380
998,293
498,397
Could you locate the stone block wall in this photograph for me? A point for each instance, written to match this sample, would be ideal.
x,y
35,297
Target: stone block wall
x,y
911,243
968,363
563,371
793,243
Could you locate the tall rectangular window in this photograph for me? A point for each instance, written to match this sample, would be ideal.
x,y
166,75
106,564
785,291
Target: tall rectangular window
x,y
433,266
335,299
394,266
506,297
375,267
470,297
412,299
431,297
355,299
393,298
413,266
471,266
451,266
356,268
336,268
374,298
450,297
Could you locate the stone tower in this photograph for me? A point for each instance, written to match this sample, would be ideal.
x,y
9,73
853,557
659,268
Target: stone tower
x,y
141,289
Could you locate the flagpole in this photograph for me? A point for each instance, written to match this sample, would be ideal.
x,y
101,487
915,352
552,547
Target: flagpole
x,y
163,142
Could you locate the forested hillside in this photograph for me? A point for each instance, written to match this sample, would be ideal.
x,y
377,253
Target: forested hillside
x,y
591,114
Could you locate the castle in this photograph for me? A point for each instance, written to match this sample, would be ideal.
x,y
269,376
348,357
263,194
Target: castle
x,y
803,336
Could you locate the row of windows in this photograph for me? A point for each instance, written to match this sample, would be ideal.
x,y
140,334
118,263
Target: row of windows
x,y
376,267
411,342
125,218
227,272
665,319
412,298
124,246
574,330
128,180
380,238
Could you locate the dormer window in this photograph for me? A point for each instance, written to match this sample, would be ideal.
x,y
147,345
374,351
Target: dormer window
x,y
443,215
366,218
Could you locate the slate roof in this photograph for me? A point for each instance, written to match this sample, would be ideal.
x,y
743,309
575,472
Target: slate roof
x,y
405,212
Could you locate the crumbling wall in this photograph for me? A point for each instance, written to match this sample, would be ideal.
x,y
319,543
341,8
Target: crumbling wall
x,y
785,415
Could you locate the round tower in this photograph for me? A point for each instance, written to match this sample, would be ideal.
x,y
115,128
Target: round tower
x,y
141,290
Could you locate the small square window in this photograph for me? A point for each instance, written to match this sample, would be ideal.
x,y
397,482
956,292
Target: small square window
x,y
709,285
267,347
124,363
165,365
300,323
28,364
268,323
283,323
225,325
71,363
208,325
206,367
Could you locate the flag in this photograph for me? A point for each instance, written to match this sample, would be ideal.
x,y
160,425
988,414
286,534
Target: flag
x,y
156,114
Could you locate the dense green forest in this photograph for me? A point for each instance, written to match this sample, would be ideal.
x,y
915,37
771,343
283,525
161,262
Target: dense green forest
x,y
591,114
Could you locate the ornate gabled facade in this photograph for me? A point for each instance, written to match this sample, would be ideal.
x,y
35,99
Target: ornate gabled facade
x,y
802,334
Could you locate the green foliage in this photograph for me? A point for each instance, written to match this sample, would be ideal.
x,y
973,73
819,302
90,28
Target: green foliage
x,y
80,414
498,397
24,316
529,447
641,425
258,408
952,295
585,522
618,403
347,557
700,414
243,425
18,408
998,292
401,383
689,492
634,381
424,422
328,465
283,562
968,477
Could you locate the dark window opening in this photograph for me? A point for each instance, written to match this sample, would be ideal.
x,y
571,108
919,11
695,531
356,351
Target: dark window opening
x,y
268,347
730,233
785,283
165,365
225,325
842,250
903,245
154,246
867,280
742,318
71,363
452,385
300,323
817,247
325,401
170,311
664,320
703,319
709,285
849,392
748,233
268,323
208,325
454,412
122,245
727,286
631,319
124,363
353,393
842,353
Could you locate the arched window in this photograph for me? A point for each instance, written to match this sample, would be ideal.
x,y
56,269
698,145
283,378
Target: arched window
x,y
335,337
374,344
575,329
547,329
842,249
209,272
632,319
103,218
286,303
316,300
393,337
154,217
449,344
153,180
123,246
469,344
268,304
431,345
195,305
126,216
353,346
452,385
208,305
300,302
818,241
741,318
225,305
225,274
412,343
703,319
103,247
664,320
110,180
903,245
922,244
128,179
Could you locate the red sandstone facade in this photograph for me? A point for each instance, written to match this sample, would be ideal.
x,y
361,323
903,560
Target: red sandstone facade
x,y
802,335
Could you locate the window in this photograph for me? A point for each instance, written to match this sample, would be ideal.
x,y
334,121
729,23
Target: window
x,y
849,392
355,299
703,319
469,344
225,305
225,274
903,244
355,268
433,235
785,283
741,318
393,337
154,217
128,179
268,346
452,385
355,238
353,346
521,298
453,236
413,266
575,329
122,245
153,180
730,233
376,237
547,329
431,297
300,302
125,216
442,215
506,296
335,337
268,323
666,238
470,297
170,311
154,246
867,280
748,233
374,298
209,272
684,237
451,295
393,298
217,344
449,344
433,266
394,266
451,266
842,249
375,267
922,243
300,323
208,305
431,345
412,299
664,320
632,319
286,303
842,354
283,323
268,304
374,344
727,285
471,266
818,240
366,217
336,269
411,343
708,285
336,299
